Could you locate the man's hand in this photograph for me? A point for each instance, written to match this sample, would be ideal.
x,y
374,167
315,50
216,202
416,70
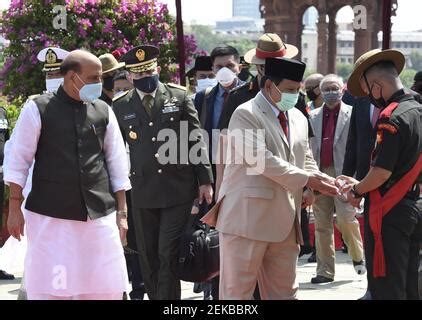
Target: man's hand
x,y
15,221
322,183
355,202
123,227
308,198
345,183
205,192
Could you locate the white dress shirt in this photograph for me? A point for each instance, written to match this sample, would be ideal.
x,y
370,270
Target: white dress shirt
x,y
65,257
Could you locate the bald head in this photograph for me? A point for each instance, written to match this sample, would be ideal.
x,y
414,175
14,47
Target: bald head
x,y
313,80
313,92
77,60
80,68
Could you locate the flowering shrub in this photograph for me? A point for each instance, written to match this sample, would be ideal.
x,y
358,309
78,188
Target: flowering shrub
x,y
99,26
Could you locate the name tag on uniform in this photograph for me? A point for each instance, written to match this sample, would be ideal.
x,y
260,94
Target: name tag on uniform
x,y
170,109
129,116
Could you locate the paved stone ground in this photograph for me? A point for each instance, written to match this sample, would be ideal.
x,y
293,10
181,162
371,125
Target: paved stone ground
x,y
347,285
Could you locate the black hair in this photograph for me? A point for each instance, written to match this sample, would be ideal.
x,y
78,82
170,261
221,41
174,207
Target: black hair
x,y
120,75
384,65
224,50
273,79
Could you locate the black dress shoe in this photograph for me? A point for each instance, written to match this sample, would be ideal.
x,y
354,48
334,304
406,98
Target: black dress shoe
x,y
360,267
312,258
305,249
6,276
137,294
321,279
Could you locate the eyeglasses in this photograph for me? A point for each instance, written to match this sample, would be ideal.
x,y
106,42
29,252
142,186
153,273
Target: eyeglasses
x,y
331,91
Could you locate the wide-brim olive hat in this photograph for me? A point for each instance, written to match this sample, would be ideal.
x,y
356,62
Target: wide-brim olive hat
x,y
369,59
270,45
110,63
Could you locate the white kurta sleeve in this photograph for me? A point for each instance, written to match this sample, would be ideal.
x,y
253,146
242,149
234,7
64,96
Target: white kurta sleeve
x,y
116,155
22,145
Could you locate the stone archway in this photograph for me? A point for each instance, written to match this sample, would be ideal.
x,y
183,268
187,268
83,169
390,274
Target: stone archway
x,y
284,17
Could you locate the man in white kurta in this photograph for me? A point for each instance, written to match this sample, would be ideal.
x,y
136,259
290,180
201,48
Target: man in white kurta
x,y
69,259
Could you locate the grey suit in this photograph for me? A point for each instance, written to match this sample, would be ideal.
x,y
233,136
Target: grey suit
x,y
324,206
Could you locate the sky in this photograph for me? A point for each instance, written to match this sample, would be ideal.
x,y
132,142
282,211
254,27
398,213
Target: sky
x,y
208,11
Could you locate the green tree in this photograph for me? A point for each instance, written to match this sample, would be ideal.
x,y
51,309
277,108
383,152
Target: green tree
x,y
407,76
207,39
416,60
99,26
344,70
242,45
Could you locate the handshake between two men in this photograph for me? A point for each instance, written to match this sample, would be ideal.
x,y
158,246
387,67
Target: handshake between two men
x,y
341,186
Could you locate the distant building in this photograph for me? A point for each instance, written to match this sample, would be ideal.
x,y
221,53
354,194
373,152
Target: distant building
x,y
240,25
310,18
406,42
246,8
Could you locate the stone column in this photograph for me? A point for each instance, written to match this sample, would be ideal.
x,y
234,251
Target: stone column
x,y
332,43
322,66
364,38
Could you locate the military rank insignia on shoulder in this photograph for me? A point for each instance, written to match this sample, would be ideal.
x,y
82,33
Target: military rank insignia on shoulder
x,y
120,95
174,85
33,96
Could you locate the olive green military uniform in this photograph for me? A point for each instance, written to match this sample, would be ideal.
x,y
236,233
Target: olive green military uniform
x,y
162,194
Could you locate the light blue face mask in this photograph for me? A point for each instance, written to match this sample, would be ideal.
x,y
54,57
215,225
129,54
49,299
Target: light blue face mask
x,y
332,97
90,92
288,100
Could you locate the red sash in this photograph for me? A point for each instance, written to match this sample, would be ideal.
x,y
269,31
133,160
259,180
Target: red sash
x,y
380,206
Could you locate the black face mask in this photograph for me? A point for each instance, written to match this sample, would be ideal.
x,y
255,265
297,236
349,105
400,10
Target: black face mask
x,y
146,84
108,83
311,94
379,103
417,87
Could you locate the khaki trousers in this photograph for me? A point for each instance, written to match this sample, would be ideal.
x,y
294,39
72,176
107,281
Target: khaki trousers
x,y
244,261
346,223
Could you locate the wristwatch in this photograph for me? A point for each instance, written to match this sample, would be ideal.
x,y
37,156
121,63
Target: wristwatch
x,y
355,194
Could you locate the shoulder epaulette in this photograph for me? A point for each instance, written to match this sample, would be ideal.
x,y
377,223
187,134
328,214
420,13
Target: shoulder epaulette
x,y
120,95
33,96
174,85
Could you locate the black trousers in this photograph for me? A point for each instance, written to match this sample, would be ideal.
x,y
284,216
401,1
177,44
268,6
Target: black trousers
x,y
158,234
304,226
401,236
132,260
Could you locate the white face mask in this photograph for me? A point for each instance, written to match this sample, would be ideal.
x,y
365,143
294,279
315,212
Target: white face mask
x,y
225,77
53,84
205,83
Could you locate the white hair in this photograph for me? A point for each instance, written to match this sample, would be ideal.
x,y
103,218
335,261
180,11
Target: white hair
x,y
331,78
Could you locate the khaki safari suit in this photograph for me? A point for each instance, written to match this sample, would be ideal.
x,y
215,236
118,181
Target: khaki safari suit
x,y
162,194
324,206
258,216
